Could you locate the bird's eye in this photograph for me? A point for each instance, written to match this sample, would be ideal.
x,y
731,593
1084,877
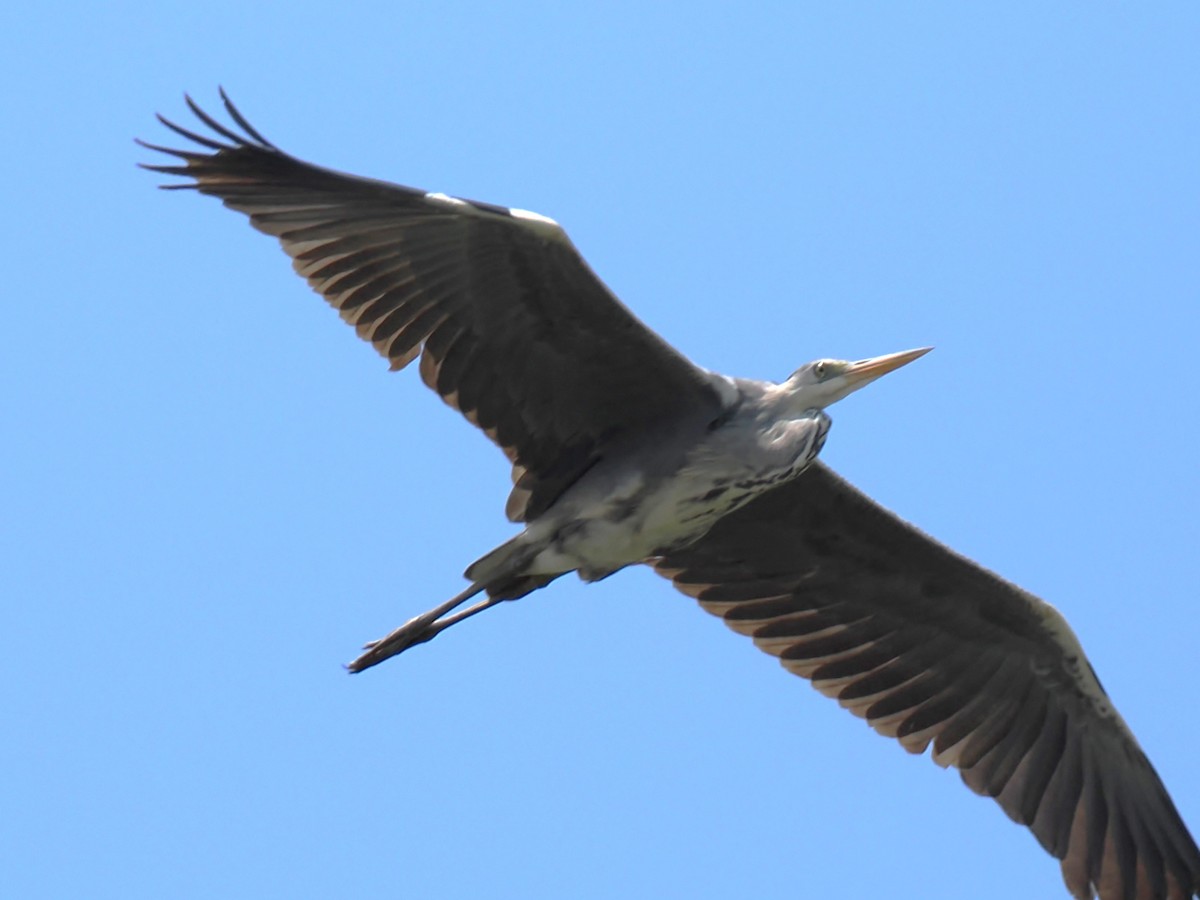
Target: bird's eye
x,y
820,369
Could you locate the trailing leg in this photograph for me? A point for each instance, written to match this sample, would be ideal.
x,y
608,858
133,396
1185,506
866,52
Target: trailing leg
x,y
420,629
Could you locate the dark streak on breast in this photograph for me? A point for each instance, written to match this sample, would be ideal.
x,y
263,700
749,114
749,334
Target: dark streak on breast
x,y
625,508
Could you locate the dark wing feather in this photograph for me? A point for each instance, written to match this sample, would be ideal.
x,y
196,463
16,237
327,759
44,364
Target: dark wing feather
x,y
512,327
932,649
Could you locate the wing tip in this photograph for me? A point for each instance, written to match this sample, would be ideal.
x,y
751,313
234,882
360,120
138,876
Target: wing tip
x,y
230,142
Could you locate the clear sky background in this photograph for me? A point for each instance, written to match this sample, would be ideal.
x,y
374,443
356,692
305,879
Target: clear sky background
x,y
212,492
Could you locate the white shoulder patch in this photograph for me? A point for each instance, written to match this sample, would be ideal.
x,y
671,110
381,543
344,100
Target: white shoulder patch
x,y
725,387
447,200
543,225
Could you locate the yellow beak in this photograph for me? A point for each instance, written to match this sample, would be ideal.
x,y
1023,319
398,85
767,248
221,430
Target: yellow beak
x,y
867,370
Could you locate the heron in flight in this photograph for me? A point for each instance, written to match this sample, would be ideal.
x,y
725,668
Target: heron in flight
x,y
624,452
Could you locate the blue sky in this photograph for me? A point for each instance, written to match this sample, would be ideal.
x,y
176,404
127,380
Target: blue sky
x,y
213,493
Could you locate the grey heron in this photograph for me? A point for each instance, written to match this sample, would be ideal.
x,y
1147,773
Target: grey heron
x,y
625,452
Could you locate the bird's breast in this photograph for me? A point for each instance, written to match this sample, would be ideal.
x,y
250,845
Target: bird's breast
x,y
640,515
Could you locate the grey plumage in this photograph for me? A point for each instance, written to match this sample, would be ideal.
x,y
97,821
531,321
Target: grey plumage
x,y
624,452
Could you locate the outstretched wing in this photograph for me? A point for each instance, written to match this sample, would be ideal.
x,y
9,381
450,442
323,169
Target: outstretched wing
x,y
511,326
928,647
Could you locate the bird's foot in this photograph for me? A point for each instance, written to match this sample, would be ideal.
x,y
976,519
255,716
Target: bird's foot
x,y
419,629
415,631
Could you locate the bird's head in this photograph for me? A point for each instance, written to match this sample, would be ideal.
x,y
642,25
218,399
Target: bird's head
x,y
823,382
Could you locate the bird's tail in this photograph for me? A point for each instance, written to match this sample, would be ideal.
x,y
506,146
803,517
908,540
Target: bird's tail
x,y
507,559
501,572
